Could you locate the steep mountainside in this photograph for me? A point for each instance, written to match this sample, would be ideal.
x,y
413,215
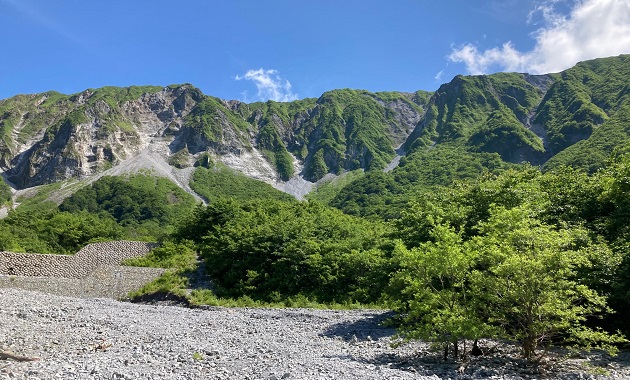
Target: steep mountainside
x,y
51,137
587,111
576,117
486,114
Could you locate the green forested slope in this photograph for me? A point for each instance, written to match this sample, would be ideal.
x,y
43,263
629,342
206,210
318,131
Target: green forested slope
x,y
486,114
342,130
220,181
589,106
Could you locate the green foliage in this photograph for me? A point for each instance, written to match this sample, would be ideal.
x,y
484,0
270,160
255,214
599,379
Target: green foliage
x,y
445,165
275,250
375,194
386,194
504,134
325,191
5,193
531,284
513,277
432,290
50,231
592,154
169,255
144,204
221,181
210,116
569,114
565,197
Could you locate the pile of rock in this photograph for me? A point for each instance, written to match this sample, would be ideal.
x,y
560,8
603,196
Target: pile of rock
x,y
80,265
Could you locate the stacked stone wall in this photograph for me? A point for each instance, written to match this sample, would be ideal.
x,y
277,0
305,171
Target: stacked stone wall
x,y
80,265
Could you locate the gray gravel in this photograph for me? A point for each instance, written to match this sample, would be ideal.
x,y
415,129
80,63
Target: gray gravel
x,y
106,339
107,281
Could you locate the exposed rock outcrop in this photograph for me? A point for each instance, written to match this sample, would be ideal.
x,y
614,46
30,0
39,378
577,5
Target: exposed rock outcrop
x,y
55,137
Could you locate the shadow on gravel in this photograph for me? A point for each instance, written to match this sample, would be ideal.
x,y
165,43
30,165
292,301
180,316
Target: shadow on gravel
x,y
429,364
371,328
603,360
162,299
496,366
414,363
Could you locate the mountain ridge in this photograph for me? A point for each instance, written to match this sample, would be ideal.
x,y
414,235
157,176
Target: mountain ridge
x,y
545,119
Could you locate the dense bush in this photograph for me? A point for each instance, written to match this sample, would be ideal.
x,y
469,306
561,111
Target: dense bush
x,y
51,231
385,195
525,255
516,279
274,250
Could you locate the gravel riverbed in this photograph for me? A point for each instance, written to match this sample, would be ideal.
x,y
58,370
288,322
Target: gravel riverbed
x,y
107,339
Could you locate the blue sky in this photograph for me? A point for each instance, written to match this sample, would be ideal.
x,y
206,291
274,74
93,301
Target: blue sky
x,y
287,49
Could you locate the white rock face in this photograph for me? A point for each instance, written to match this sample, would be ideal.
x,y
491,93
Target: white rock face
x,y
165,131
142,135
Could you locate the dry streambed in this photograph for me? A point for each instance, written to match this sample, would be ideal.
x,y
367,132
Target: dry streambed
x,y
106,339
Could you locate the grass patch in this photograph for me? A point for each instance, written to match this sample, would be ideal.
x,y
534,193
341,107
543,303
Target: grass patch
x,y
327,191
40,199
170,256
206,297
221,181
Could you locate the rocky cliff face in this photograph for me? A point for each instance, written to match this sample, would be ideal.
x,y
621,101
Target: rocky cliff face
x,y
87,133
52,137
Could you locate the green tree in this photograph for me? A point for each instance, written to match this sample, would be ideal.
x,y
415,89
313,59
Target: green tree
x,y
433,292
70,232
531,284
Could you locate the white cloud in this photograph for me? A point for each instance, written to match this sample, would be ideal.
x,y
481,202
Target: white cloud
x,y
592,29
270,85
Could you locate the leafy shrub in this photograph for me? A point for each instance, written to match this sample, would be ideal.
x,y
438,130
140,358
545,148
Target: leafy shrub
x,y
275,248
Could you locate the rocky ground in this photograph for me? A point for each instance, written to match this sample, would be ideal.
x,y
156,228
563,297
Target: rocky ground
x,y
107,339
107,281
